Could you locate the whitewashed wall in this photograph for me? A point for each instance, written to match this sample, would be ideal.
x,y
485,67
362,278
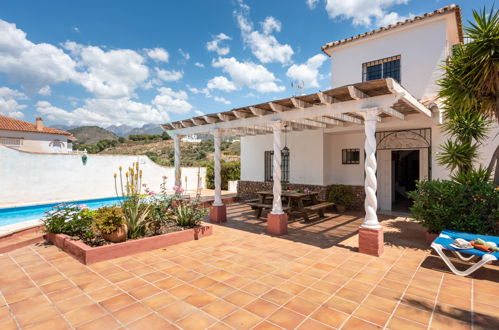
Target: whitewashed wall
x,y
28,178
37,142
422,47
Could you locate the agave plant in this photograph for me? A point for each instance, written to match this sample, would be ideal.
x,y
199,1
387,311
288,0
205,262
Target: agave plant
x,y
134,205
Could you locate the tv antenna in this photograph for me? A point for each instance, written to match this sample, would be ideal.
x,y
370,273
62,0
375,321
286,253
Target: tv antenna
x,y
298,86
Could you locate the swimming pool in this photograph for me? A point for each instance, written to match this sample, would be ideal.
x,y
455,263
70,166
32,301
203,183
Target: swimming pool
x,y
13,215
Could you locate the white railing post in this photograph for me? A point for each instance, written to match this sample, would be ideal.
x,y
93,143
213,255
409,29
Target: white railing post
x,y
217,169
370,184
276,173
176,141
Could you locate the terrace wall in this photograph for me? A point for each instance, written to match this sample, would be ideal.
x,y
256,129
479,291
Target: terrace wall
x,y
33,178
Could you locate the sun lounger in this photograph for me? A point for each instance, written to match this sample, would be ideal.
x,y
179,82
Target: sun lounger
x,y
447,237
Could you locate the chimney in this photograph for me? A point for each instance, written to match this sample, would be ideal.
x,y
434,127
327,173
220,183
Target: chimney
x,y
39,124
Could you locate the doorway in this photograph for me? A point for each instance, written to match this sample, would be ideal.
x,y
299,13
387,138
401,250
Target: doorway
x,y
405,173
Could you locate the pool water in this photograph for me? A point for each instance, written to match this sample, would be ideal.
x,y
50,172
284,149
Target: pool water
x,y
13,215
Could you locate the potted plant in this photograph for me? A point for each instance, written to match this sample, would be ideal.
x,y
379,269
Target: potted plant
x,y
342,196
109,220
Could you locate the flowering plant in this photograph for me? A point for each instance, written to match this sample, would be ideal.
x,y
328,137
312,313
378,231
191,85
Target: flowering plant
x,y
69,219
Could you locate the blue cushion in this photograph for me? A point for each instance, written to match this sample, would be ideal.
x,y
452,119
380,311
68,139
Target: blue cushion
x,y
469,237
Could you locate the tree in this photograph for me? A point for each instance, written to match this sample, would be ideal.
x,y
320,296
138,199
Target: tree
x,y
470,88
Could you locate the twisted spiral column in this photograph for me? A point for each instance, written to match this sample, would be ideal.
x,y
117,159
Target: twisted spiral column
x,y
176,141
217,169
276,174
370,184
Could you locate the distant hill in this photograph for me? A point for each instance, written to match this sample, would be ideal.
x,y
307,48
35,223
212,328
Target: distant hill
x,y
125,131
92,134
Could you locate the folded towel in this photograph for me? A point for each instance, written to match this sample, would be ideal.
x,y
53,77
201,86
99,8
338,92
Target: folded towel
x,y
482,247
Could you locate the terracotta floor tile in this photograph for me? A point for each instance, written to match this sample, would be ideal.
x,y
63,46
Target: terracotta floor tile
x,y
386,305
442,322
104,322
196,320
144,291
261,308
176,310
84,314
256,288
203,282
64,294
200,299
54,323
27,305
310,324
266,326
38,314
117,302
277,296
329,317
168,283
240,298
242,319
8,324
414,314
22,294
400,323
131,284
183,291
105,293
286,318
301,306
150,322
219,308
158,301
131,313
354,323
352,295
372,315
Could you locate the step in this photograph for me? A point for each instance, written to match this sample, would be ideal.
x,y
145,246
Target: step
x,y
20,239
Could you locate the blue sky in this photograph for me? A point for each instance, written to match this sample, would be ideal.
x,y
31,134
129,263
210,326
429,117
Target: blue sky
x,y
136,62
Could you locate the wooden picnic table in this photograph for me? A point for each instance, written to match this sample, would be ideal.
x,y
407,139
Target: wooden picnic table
x,y
295,203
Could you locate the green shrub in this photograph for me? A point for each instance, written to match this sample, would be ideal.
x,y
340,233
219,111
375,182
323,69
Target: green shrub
x,y
108,219
471,207
342,195
230,171
189,214
69,219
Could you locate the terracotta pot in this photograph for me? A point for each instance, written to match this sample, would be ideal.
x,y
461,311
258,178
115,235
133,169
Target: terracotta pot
x,y
430,237
341,208
117,236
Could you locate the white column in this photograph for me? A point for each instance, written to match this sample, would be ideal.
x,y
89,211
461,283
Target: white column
x,y
370,184
277,203
217,169
176,140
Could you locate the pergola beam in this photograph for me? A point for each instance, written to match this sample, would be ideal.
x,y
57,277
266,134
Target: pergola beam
x,y
239,114
278,107
300,104
258,111
395,88
326,99
197,122
347,118
311,124
328,121
224,117
210,120
356,93
392,112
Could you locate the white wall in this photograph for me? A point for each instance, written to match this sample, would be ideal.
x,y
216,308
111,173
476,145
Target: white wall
x,y
27,178
306,156
334,171
422,46
37,142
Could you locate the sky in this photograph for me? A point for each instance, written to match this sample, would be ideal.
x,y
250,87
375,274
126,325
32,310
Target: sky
x,y
114,62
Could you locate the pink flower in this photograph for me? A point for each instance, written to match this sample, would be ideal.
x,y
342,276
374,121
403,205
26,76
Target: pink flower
x,y
151,193
178,189
83,206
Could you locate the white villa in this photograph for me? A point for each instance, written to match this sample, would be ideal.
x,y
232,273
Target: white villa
x,y
377,128
34,137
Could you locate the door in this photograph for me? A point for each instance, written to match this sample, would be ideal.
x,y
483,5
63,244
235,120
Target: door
x,y
384,177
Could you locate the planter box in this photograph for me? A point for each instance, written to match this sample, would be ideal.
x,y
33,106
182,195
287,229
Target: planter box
x,y
89,255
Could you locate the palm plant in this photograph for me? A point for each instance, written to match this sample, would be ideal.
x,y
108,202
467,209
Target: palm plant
x,y
469,91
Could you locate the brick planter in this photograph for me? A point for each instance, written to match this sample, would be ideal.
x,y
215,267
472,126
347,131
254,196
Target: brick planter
x,y
89,255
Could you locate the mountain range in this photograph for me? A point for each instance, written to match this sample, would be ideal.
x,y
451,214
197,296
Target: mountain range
x,y
121,130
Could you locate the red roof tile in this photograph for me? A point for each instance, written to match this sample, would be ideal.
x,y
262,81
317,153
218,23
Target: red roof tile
x,y
11,124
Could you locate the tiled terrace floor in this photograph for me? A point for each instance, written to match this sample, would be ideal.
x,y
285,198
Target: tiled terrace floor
x,y
241,278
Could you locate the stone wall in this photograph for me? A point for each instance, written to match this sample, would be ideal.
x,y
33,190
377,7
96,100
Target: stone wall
x,y
248,190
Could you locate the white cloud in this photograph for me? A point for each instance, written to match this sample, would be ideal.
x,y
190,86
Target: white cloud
x,y
184,54
221,100
105,112
364,12
32,65
198,112
45,91
215,44
199,65
158,54
9,105
167,75
312,3
307,72
252,75
263,44
170,101
109,74
221,83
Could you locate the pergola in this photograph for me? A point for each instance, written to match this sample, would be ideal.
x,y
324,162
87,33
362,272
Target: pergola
x,y
364,103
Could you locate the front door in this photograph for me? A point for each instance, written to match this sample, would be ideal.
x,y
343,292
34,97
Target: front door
x,y
405,174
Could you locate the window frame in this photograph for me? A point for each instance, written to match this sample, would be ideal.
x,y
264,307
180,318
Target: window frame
x,y
13,142
269,166
345,160
382,62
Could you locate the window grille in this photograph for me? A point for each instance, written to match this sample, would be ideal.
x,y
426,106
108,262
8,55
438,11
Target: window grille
x,y
384,68
11,142
269,168
350,156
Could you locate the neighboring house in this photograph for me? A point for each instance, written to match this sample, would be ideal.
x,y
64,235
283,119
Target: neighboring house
x,y
382,104
191,139
34,137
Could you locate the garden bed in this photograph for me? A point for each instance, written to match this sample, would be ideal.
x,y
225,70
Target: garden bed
x,y
89,255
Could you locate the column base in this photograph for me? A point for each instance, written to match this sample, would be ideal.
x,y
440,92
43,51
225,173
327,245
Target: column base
x,y
371,241
277,224
218,213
